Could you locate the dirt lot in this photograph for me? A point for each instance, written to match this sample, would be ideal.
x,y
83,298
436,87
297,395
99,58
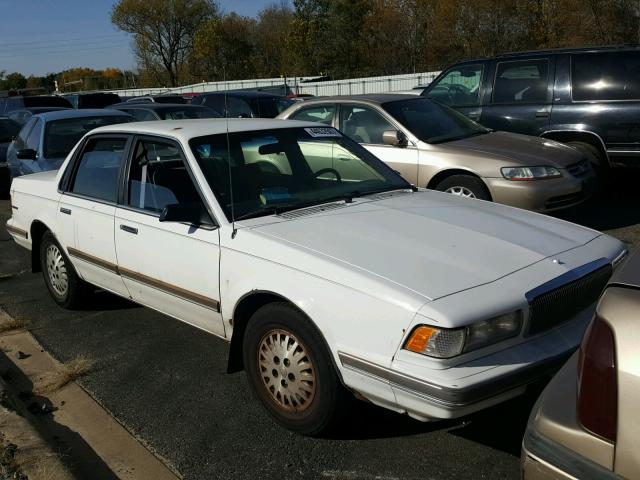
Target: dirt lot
x,y
165,382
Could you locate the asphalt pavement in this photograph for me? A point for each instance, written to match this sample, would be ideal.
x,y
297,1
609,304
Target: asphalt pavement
x,y
166,383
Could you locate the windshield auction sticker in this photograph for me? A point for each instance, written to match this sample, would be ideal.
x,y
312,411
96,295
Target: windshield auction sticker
x,y
323,132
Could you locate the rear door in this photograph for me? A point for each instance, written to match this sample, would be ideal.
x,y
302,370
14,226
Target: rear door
x,y
169,266
520,96
87,207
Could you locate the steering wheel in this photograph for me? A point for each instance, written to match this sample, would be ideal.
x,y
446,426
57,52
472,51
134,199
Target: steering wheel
x,y
459,92
329,170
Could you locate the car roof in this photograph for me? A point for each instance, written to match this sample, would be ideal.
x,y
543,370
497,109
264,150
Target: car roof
x,y
36,110
377,98
188,129
243,93
83,113
154,106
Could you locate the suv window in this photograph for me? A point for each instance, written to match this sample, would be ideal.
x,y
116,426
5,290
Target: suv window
x,y
33,140
460,87
605,76
158,177
98,168
321,114
236,107
522,81
363,124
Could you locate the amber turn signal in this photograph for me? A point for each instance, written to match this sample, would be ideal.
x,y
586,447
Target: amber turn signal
x,y
420,338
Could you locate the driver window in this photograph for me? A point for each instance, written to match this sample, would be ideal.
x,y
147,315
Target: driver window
x,y
460,87
158,177
363,124
33,140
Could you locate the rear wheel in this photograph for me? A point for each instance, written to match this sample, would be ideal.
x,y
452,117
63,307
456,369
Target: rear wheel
x,y
464,186
290,370
63,283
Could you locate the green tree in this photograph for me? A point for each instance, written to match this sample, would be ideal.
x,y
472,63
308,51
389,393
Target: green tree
x,y
163,31
13,81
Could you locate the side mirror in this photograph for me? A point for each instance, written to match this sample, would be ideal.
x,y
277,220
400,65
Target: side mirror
x,y
395,138
193,213
27,154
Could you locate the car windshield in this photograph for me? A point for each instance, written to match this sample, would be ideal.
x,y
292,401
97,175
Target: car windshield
x,y
270,107
433,122
8,129
180,113
62,135
282,169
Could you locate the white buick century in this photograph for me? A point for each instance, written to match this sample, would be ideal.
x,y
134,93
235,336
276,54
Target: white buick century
x,y
323,268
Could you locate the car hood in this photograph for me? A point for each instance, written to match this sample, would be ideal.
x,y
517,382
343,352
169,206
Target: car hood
x,y
430,243
519,149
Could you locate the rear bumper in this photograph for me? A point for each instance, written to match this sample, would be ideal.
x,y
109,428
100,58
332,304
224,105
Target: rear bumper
x,y
544,459
542,195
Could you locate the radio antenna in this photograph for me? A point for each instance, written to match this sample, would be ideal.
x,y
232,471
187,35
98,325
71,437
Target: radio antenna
x,y
234,230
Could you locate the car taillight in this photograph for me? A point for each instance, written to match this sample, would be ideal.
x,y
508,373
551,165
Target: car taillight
x,y
597,384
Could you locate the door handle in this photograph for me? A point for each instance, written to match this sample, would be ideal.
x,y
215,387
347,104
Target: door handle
x,y
66,211
129,229
542,114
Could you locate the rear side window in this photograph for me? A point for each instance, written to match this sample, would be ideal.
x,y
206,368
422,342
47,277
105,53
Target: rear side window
x,y
321,114
521,81
98,169
605,76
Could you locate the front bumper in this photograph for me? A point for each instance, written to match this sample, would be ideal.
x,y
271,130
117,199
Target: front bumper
x,y
542,195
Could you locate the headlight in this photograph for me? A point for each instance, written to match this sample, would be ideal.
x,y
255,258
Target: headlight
x,y
449,342
543,172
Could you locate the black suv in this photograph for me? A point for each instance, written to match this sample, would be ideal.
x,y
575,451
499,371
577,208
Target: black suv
x,y
587,97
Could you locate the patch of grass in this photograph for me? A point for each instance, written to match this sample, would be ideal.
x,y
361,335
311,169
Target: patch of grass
x,y
66,373
8,323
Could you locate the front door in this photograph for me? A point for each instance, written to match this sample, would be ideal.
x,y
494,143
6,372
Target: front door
x,y
366,124
86,211
171,267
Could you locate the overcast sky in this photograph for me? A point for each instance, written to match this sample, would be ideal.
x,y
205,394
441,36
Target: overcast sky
x,y
42,36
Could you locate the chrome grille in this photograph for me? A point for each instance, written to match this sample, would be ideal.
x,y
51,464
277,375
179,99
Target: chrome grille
x,y
580,169
553,307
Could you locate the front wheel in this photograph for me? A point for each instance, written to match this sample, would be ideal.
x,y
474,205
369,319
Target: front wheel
x,y
464,186
290,370
63,283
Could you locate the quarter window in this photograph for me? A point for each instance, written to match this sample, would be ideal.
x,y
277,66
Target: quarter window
x,y
460,87
521,82
605,76
158,177
363,124
321,114
98,169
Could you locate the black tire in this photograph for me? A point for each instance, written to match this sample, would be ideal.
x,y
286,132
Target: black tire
x,y
598,162
59,272
310,411
467,182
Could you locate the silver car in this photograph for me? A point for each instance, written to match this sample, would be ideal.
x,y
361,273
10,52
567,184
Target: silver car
x,y
436,147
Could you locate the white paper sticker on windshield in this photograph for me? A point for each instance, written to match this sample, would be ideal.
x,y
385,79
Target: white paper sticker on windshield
x,y
323,132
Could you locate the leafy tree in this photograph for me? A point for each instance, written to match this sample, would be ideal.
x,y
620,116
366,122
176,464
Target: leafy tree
x,y
163,31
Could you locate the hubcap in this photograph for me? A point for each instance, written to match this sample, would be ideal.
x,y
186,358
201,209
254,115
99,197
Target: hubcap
x,y
57,270
460,192
286,371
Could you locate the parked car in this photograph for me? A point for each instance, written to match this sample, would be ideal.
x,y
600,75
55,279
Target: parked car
x,y
165,98
434,146
22,115
585,424
165,111
8,130
277,236
47,138
244,103
92,100
586,97
8,104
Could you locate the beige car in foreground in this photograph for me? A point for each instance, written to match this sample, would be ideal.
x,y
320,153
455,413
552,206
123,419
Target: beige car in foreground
x,y
436,147
586,424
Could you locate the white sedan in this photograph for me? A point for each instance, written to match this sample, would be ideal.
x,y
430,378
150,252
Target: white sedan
x,y
324,269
